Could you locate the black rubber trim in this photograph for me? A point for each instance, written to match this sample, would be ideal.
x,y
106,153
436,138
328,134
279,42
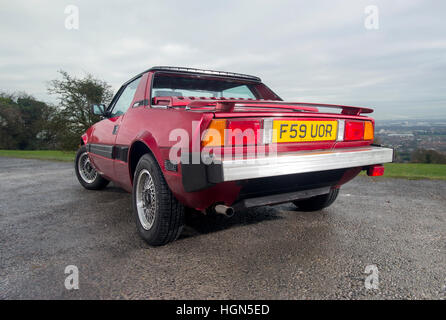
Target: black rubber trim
x,y
199,176
101,150
120,153
109,151
214,173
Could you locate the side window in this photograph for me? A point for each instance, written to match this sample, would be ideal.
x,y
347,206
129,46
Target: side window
x,y
125,99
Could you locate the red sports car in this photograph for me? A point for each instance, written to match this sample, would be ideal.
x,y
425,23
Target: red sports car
x,y
219,142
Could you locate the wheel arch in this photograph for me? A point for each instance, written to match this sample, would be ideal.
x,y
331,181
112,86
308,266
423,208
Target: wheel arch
x,y
145,143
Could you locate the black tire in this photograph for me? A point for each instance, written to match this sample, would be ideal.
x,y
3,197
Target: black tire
x,y
154,193
318,202
94,184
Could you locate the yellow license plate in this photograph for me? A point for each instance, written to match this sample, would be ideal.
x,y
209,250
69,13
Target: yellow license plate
x,y
297,131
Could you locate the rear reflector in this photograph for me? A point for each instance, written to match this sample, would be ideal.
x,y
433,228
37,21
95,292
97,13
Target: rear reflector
x,y
376,170
354,130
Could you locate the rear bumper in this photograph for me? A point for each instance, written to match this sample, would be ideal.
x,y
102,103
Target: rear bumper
x,y
302,162
201,176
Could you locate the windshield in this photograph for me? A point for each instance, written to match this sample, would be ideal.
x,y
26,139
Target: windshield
x,y
165,85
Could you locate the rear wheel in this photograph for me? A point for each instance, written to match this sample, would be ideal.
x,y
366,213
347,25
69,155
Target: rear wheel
x,y
88,177
318,202
158,214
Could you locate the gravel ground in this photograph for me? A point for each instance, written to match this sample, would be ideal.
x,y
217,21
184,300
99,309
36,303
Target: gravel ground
x,y
48,221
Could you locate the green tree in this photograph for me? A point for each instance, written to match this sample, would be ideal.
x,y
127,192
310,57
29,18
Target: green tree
x,y
11,123
25,122
75,96
36,117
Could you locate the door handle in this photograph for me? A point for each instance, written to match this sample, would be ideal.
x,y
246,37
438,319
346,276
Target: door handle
x,y
115,129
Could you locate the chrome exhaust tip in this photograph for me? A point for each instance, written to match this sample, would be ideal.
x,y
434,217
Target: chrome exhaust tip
x,y
224,210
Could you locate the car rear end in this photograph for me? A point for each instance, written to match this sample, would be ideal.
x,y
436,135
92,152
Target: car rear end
x,y
275,152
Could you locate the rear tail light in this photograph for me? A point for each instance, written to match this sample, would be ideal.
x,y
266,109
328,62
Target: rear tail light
x,y
376,170
231,132
358,130
354,130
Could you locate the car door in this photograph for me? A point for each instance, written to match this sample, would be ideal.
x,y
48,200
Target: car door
x,y
103,137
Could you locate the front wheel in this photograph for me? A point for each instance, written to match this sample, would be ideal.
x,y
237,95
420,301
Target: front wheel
x,y
318,202
88,177
159,215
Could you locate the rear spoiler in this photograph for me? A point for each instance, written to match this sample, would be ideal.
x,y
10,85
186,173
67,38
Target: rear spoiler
x,y
228,105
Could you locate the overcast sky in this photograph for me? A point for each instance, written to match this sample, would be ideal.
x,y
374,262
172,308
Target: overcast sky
x,y
312,51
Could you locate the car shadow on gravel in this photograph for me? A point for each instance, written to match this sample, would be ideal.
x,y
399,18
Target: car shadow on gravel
x,y
197,223
113,188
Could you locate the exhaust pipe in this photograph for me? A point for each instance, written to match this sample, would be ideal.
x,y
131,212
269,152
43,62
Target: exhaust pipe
x,y
224,210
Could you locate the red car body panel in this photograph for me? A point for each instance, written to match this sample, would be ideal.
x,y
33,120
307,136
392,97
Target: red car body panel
x,y
152,126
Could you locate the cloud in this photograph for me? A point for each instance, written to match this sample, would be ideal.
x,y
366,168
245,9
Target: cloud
x,y
316,51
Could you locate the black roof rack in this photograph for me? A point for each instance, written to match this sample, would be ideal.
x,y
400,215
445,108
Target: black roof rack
x,y
202,71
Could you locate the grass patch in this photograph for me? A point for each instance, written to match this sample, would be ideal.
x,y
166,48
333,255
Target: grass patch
x,y
414,171
40,154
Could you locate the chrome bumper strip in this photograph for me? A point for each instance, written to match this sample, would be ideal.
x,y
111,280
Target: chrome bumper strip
x,y
304,161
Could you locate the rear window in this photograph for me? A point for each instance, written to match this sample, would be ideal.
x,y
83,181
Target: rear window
x,y
198,86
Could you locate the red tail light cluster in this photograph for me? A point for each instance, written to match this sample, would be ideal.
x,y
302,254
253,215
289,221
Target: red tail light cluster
x,y
358,130
232,132
236,132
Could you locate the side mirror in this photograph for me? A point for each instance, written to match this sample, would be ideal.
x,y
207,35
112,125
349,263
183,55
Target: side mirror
x,y
98,109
